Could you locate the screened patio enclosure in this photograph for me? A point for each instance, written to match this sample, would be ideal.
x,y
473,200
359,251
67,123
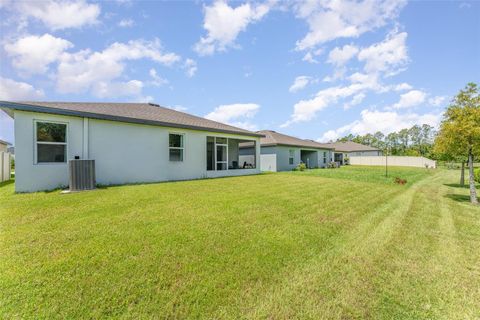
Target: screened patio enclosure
x,y
223,154
309,157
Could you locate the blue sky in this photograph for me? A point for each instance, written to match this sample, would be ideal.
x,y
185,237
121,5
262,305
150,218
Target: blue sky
x,y
317,70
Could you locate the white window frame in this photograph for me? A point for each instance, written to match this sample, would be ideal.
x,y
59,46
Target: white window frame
x,y
36,143
177,148
324,157
290,156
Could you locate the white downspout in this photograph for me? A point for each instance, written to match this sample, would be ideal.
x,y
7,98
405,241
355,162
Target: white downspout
x,y
85,138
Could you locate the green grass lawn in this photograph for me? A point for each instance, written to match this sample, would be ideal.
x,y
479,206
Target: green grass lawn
x,y
370,173
313,244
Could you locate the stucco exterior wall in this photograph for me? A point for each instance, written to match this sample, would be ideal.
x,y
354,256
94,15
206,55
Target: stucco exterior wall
x,y
123,152
283,154
34,177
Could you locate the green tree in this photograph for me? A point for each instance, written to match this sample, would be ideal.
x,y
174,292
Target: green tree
x,y
415,134
404,138
392,141
427,137
378,140
459,133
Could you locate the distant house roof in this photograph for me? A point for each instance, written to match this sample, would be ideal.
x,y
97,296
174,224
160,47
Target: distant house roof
x,y
272,138
5,142
141,113
351,146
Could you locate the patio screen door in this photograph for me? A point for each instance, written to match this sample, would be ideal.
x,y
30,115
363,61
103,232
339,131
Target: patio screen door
x,y
222,160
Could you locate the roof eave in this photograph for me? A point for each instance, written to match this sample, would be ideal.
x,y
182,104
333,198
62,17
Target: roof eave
x,y
293,145
41,109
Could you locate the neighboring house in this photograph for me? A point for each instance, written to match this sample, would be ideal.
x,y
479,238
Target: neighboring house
x,y
11,150
348,149
130,143
4,146
280,152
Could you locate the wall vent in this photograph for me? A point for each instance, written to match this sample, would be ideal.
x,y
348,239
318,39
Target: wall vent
x,y
82,175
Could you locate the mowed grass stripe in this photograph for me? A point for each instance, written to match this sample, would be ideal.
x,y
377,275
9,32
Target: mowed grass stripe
x,y
427,275
337,283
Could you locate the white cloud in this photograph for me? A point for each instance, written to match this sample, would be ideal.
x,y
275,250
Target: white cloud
x,y
339,73
402,87
329,136
237,114
157,81
142,99
58,15
190,66
386,56
310,56
357,99
340,56
223,24
410,99
126,23
381,59
105,89
4,3
437,100
6,127
86,70
329,20
305,110
299,83
32,54
386,122
14,90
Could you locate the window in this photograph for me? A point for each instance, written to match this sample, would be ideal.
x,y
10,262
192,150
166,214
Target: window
x,y
324,157
291,156
51,142
175,145
210,153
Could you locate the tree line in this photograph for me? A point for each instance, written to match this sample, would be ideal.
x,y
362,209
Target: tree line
x,y
415,141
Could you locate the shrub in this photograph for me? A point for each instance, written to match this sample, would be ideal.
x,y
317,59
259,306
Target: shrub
x,y
332,165
476,175
301,167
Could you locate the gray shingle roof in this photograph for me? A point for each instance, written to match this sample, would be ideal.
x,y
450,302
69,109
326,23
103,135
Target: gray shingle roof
x,y
5,142
351,146
143,113
272,138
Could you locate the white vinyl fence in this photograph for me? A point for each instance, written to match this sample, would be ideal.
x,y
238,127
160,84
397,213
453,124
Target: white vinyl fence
x,y
398,161
5,166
